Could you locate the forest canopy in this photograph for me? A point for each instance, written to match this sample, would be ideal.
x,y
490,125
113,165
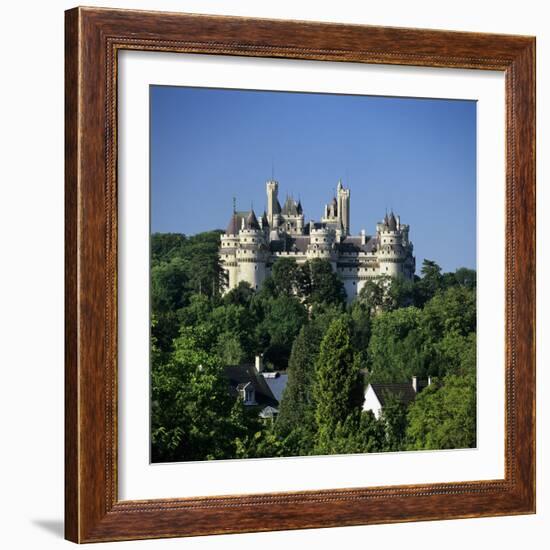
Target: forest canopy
x,y
300,321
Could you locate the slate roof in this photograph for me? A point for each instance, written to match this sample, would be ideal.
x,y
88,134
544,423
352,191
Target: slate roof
x,y
299,244
236,220
290,244
350,244
353,245
277,383
402,391
235,223
239,375
291,207
252,221
372,243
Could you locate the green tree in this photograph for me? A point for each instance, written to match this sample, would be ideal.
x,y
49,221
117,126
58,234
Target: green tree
x,y
286,276
194,417
169,281
338,386
228,349
466,277
262,443
430,283
371,296
394,421
320,284
241,295
452,310
282,321
386,294
455,354
396,349
400,293
237,321
165,246
443,416
358,433
296,422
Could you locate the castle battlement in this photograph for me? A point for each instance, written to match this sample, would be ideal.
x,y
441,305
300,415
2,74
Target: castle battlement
x,y
250,246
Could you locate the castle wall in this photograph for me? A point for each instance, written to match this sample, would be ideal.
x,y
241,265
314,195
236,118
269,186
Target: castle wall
x,y
351,288
233,276
253,273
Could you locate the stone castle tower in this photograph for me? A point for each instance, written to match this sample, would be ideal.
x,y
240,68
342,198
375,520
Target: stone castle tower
x,y
249,246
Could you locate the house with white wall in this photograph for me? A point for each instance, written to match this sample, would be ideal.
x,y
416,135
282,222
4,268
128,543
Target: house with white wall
x,y
376,394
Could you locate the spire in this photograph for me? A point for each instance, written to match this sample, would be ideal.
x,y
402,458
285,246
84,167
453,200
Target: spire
x,y
392,222
234,205
233,225
252,221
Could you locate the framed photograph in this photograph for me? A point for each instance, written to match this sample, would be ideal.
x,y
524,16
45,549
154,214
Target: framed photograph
x,y
300,275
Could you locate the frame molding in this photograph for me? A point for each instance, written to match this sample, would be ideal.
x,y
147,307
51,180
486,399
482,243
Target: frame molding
x,y
93,37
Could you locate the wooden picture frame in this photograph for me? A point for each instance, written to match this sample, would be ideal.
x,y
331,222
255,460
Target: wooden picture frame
x,y
93,511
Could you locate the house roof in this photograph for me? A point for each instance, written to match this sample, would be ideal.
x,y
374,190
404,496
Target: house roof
x,y
239,376
402,391
276,383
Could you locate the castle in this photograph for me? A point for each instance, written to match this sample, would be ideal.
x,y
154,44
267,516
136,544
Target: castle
x,y
249,246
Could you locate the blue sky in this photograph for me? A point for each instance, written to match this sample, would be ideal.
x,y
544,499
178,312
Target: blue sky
x,y
415,156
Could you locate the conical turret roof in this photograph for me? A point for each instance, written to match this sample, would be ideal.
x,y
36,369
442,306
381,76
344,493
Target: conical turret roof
x,y
252,221
233,225
392,222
